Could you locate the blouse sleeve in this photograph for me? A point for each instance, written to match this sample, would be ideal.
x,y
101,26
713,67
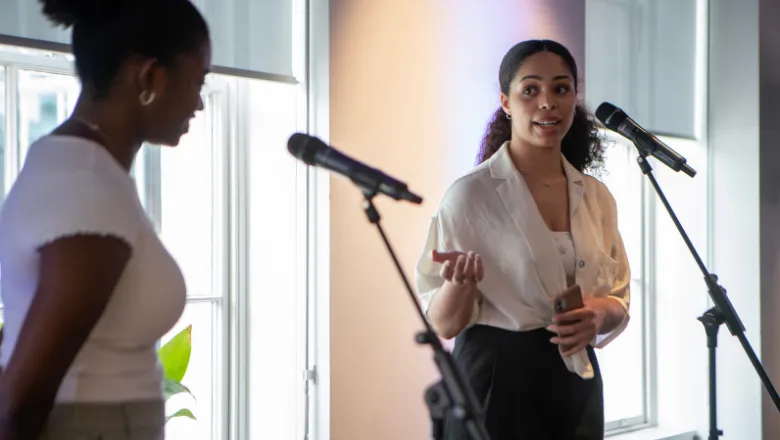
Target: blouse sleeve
x,y
621,282
428,281
79,205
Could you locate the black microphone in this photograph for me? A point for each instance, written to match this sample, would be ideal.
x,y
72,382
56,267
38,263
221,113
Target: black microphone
x,y
313,151
617,120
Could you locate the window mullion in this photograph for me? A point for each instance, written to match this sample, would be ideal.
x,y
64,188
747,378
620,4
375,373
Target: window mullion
x,y
650,376
234,134
195,299
13,154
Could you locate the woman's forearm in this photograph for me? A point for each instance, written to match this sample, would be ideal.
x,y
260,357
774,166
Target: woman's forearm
x,y
451,308
29,386
22,418
614,314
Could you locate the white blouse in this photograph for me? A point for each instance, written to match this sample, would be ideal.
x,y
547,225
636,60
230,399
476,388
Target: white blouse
x,y
491,211
565,246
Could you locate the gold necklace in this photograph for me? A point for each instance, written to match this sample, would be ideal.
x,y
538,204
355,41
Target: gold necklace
x,y
96,129
554,183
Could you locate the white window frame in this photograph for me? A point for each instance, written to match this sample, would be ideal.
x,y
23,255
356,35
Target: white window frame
x,y
312,67
644,276
14,59
215,97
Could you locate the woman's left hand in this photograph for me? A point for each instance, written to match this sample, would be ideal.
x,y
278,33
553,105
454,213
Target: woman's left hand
x,y
577,328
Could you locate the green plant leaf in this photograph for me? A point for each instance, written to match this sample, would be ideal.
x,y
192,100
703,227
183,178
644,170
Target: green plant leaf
x,y
172,388
175,355
184,412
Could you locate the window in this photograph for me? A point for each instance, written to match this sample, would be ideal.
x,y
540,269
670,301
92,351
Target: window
x,y
623,362
277,261
642,74
2,131
231,205
45,100
185,194
36,101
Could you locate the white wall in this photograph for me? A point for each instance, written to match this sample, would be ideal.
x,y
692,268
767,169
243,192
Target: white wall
x,y
734,92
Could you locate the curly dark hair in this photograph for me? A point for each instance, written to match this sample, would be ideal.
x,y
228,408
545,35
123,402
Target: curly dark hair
x,y
583,144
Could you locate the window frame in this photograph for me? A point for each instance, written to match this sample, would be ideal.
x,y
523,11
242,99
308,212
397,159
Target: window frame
x,y
644,276
216,99
13,59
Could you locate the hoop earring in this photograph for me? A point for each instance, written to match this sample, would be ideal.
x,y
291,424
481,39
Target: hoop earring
x,y
146,98
508,116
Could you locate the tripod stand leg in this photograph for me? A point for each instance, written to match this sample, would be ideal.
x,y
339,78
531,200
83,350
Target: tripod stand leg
x,y
438,402
715,433
712,320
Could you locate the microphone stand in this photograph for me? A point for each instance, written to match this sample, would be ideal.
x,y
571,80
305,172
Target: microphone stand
x,y
450,396
722,312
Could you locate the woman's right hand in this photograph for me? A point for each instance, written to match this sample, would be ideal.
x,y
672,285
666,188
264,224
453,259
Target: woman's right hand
x,y
453,305
460,268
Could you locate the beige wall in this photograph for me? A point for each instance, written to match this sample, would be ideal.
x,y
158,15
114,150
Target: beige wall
x,y
412,85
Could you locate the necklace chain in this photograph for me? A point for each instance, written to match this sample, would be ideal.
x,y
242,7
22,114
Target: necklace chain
x,y
95,128
554,183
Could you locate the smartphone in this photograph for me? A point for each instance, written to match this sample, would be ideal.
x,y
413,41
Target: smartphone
x,y
570,299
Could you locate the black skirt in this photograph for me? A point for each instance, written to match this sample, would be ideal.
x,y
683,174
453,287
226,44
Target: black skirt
x,y
525,389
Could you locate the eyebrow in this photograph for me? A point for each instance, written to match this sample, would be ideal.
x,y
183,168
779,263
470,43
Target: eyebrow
x,y
540,78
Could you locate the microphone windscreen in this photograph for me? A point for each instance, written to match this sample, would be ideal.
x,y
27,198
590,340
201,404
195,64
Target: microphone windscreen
x,y
610,116
304,147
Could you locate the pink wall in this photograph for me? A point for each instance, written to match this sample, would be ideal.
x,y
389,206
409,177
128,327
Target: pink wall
x,y
412,86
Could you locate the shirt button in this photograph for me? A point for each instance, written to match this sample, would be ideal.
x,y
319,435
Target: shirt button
x,y
582,264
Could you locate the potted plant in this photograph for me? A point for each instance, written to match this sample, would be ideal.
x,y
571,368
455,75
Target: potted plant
x,y
175,359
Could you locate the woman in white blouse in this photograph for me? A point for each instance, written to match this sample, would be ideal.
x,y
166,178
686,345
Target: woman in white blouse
x,y
512,235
